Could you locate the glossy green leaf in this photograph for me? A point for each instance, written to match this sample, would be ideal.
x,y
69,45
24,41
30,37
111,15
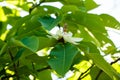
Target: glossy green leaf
x,y
69,8
91,21
46,74
45,42
105,40
32,43
24,70
78,58
38,60
3,49
61,57
45,10
28,28
49,22
87,36
17,26
78,3
109,21
90,4
19,54
7,10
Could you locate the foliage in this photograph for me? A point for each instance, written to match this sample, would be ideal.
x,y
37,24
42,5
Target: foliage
x,y
29,47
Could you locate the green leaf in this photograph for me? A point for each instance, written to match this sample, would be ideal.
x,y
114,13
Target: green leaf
x,y
90,4
102,64
94,72
17,26
46,42
45,10
61,57
69,8
39,60
88,47
7,10
91,21
19,53
109,21
87,36
46,74
94,23
49,22
93,53
3,49
28,28
31,43
71,2
24,70
79,58
105,40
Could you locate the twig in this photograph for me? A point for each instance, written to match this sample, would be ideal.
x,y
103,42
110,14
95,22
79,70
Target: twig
x,y
115,61
82,75
35,5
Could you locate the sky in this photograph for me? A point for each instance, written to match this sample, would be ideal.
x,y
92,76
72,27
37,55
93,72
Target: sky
x,y
111,7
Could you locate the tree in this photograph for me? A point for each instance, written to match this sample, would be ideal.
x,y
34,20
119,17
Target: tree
x,y
79,45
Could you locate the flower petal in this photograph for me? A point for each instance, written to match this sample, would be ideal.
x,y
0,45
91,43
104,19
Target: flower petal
x,y
77,39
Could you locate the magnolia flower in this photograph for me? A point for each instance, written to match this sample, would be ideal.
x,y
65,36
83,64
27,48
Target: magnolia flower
x,y
67,36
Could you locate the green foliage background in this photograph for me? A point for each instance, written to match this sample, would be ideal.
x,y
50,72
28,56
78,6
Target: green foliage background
x,y
29,34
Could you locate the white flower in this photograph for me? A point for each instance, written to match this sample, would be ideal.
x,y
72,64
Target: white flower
x,y
67,36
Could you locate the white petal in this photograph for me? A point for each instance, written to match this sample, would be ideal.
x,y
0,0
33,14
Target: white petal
x,y
59,33
77,39
69,34
69,39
